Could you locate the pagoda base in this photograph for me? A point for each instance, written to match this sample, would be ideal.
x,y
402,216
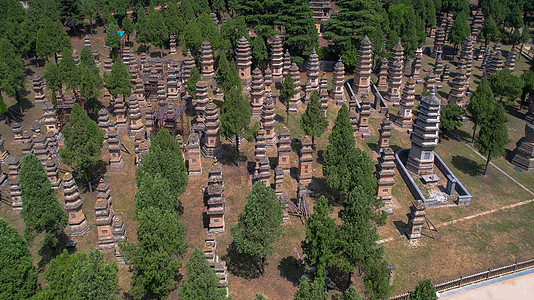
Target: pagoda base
x,y
78,229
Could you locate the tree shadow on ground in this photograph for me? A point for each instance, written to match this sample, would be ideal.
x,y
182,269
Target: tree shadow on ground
x,y
514,111
466,165
239,264
443,95
47,253
372,145
219,103
462,134
394,148
280,119
320,159
290,270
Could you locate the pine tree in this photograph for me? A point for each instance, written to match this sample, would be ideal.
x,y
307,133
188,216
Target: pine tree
x,y
158,31
493,136
490,31
12,73
95,279
313,120
194,77
505,84
528,88
218,6
480,104
459,31
301,35
59,276
128,27
223,70
83,144
235,116
231,31
259,52
113,38
201,281
18,279
51,39
173,19
165,159
119,80
450,118
259,225
90,80
3,106
52,78
355,19
40,210
68,69
351,294
321,243
209,31
287,92
314,291
425,290
340,153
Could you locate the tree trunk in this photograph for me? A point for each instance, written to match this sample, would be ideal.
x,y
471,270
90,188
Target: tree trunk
x,y
287,116
262,266
474,132
348,279
19,101
487,163
237,149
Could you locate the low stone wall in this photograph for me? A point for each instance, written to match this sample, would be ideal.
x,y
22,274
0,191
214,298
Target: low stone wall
x,y
464,198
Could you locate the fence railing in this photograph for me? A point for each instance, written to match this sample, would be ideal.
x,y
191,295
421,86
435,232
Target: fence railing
x,y
477,277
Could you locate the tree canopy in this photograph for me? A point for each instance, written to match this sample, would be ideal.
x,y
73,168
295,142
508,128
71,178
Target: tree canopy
x,y
481,104
119,80
201,281
493,136
425,290
94,279
235,115
313,121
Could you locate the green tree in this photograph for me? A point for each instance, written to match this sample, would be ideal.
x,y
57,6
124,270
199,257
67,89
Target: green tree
x,y
259,52
490,31
340,153
59,276
223,69
161,230
528,88
235,116
51,39
218,6
493,136
425,290
68,69
351,294
259,225
119,80
314,291
321,243
186,9
12,71
3,106
165,159
194,77
173,19
450,118
95,279
18,279
301,35
260,296
40,210
505,84
209,31
128,27
525,37
201,281
233,81
192,38
155,191
113,39
158,31
52,78
200,6
354,20
313,121
90,80
287,92
232,30
83,144
89,10
480,105
459,31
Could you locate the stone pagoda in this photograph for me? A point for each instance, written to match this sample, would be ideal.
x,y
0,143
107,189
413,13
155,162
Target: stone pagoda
x,y
257,92
218,265
416,66
268,79
243,60
510,60
305,162
312,75
50,118
404,117
496,63
211,146
353,113
3,151
438,67
120,113
385,173
425,136
103,121
136,125
277,58
284,150
439,41
383,76
323,93
416,219
395,73
430,82
364,64
172,45
13,164
77,224
201,101
267,122
467,54
338,79
38,89
279,181
262,170
52,174
458,88
287,64
206,61
295,102
110,228
116,163
363,120
187,65
17,132
216,205
385,134
446,73
194,159
524,153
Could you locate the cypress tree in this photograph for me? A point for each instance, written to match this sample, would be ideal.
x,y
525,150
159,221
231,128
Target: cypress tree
x,y
201,281
313,120
480,104
235,116
493,136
